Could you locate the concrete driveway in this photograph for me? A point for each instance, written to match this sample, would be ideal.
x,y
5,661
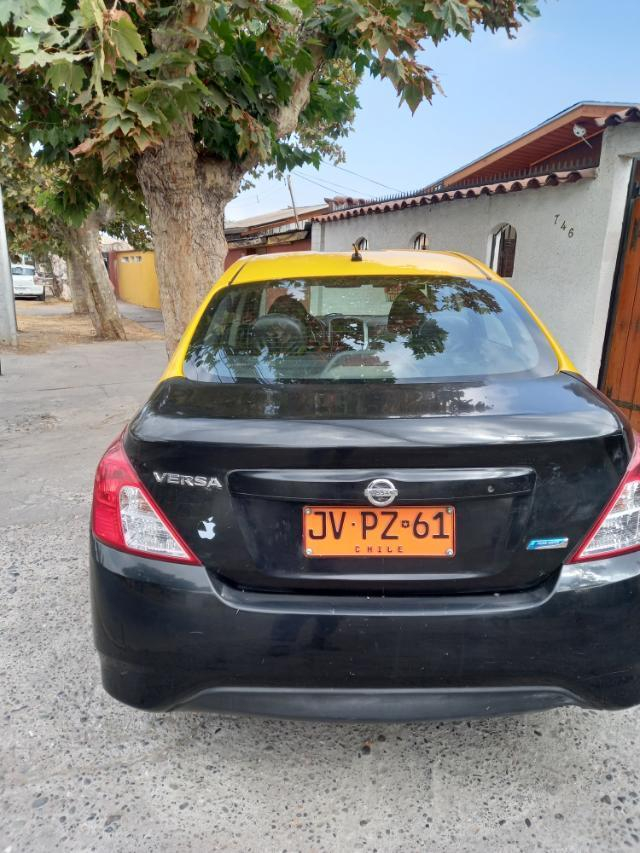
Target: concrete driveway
x,y
80,772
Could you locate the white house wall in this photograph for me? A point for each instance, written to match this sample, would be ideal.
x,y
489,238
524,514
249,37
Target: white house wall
x,y
564,273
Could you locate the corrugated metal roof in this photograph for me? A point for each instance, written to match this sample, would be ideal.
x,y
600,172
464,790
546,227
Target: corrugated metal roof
x,y
386,206
272,218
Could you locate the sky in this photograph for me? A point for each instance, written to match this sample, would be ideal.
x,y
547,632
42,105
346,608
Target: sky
x,y
495,89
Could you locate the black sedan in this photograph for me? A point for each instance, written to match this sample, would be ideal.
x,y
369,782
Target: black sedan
x,y
369,488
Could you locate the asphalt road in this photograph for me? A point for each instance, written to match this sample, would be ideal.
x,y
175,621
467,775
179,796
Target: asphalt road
x,y
80,772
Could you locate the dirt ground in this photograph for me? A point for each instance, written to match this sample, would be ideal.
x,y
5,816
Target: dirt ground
x,y
49,325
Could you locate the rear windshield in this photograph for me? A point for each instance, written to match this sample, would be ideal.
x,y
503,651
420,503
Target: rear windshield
x,y
22,271
360,329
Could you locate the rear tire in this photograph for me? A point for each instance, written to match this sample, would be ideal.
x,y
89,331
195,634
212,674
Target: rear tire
x,y
42,295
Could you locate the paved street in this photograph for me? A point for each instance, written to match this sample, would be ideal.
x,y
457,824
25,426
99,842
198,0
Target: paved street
x,y
80,772
151,318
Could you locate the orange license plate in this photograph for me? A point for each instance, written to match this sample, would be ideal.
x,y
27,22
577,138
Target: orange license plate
x,y
407,531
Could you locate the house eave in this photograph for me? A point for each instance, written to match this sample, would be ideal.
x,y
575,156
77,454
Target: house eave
x,y
553,179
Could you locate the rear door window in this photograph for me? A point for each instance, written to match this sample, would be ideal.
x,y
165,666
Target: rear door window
x,y
366,330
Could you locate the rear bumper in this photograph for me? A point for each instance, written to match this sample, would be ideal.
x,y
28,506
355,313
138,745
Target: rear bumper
x,y
375,703
33,291
170,638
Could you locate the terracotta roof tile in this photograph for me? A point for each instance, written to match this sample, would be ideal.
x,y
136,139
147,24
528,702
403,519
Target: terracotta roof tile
x,y
621,117
553,179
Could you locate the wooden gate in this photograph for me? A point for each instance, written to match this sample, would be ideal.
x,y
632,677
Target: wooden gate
x,y
622,366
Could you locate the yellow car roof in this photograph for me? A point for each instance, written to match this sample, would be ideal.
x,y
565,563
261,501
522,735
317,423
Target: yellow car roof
x,y
325,264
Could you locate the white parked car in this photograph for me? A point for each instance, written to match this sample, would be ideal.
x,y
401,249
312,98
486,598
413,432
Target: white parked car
x,y
26,282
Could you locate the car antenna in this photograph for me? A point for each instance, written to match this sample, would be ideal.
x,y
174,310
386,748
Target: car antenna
x,y
356,254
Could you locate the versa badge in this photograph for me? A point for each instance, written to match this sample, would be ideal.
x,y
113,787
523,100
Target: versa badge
x,y
187,480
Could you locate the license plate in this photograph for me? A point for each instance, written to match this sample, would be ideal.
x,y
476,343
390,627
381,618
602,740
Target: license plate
x,y
408,531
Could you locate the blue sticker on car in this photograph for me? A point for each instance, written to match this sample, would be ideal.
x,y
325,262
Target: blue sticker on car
x,y
542,544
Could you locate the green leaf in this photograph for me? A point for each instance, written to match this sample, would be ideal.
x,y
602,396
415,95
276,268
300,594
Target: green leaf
x,y
224,65
110,126
412,94
7,9
63,73
528,9
146,114
382,43
112,106
456,16
198,35
394,70
303,62
28,43
158,58
126,39
117,123
34,19
217,98
280,12
50,8
52,38
92,12
26,60
98,71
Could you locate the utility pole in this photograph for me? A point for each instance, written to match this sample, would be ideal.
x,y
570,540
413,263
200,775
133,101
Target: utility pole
x,y
293,201
8,325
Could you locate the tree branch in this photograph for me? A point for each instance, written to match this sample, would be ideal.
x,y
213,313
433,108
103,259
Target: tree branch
x,y
286,118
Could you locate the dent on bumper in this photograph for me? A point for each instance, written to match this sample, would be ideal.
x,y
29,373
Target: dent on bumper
x,y
170,637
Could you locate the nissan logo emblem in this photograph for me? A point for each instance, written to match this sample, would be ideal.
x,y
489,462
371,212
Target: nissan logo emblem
x,y
381,492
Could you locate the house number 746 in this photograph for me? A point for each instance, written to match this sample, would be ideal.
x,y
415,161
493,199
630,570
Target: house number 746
x,y
563,225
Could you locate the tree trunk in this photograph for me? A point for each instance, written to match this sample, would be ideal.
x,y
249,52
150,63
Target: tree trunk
x,y
57,281
88,277
186,198
60,270
74,280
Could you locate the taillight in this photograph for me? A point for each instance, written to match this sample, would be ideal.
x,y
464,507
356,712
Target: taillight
x,y
125,516
617,531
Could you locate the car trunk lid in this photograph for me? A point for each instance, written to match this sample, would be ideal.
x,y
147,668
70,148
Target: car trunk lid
x,y
517,461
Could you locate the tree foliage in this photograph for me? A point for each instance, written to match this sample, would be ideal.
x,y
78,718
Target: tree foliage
x,y
31,226
254,81
35,194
